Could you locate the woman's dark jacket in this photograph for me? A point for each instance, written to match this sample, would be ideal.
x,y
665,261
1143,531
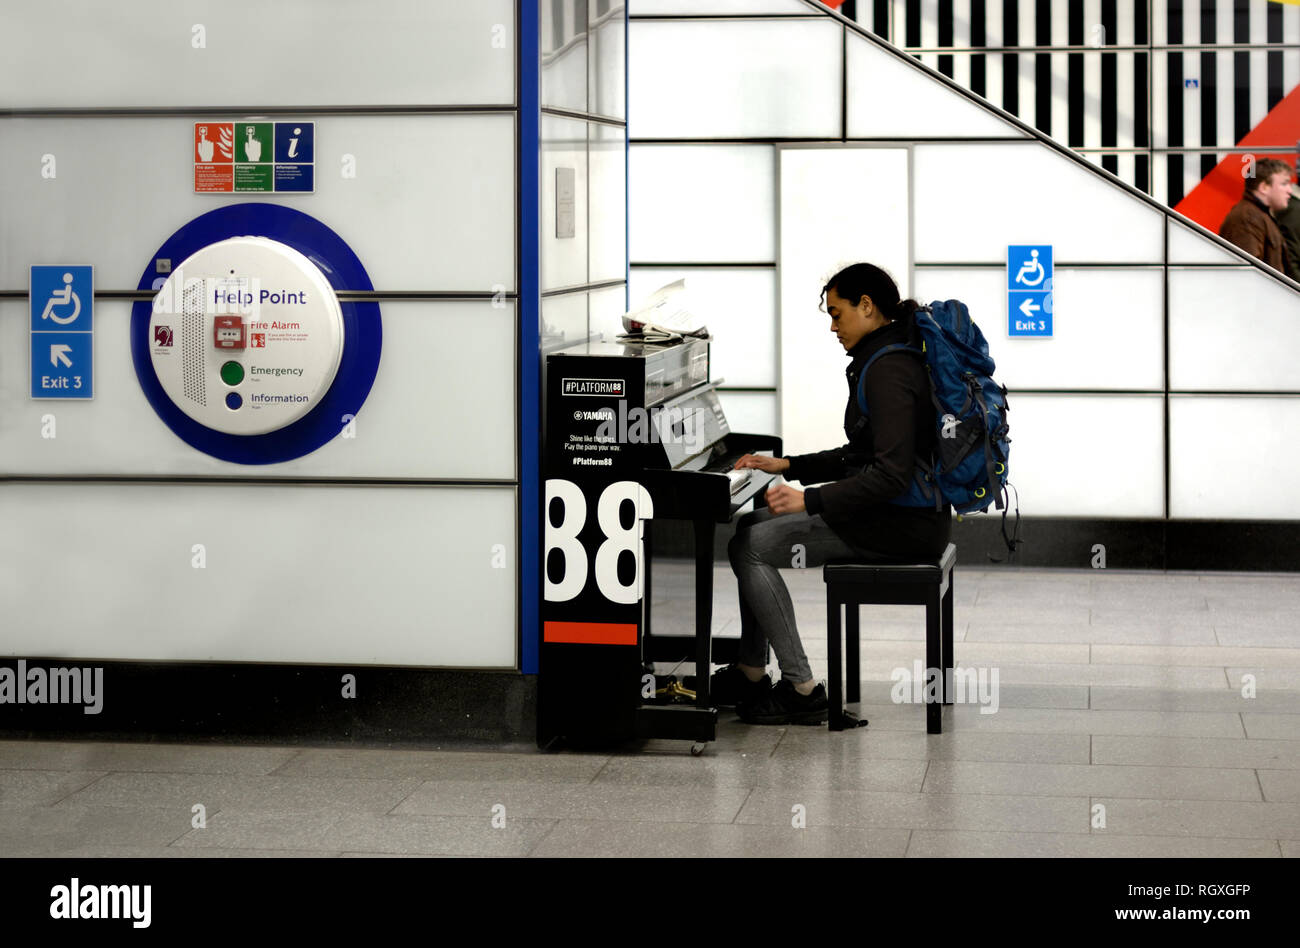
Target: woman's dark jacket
x,y
879,461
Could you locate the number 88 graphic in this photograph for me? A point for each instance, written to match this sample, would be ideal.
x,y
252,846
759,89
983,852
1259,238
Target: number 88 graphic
x,y
618,539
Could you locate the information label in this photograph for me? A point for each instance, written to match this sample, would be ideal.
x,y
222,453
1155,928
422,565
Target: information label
x,y
62,302
252,157
1029,290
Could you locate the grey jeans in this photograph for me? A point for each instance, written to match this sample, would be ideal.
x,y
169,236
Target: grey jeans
x,y
763,544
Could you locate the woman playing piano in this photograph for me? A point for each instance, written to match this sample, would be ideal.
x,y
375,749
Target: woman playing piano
x,y
851,517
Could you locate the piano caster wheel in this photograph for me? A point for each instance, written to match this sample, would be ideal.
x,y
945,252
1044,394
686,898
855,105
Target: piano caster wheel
x,y
697,749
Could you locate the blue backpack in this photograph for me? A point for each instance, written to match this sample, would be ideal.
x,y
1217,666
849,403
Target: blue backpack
x,y
969,469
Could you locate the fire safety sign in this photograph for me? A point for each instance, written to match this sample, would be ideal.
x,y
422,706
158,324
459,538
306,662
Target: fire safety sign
x,y
254,157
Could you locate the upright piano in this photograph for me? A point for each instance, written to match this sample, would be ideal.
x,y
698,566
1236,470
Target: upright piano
x,y
634,432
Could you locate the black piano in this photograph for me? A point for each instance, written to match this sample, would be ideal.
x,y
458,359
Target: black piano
x,y
634,433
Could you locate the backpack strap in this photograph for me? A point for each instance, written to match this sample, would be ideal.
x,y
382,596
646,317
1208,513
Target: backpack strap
x,y
1000,504
862,379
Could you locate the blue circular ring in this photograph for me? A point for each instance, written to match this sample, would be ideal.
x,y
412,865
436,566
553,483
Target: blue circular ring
x,y
362,333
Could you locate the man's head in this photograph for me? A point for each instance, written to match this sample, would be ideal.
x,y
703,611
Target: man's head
x,y
1271,184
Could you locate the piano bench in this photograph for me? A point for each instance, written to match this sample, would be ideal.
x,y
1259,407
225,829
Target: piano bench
x,y
859,583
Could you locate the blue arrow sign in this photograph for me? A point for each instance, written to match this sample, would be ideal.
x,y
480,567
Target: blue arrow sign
x,y
1029,290
62,303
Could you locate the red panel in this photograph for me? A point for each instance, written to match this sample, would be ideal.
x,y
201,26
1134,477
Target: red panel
x,y
1209,202
590,633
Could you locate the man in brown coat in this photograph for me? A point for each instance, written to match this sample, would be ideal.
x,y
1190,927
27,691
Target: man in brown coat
x,y
1250,223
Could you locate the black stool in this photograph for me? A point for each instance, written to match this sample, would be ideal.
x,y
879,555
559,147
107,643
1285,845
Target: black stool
x,y
917,584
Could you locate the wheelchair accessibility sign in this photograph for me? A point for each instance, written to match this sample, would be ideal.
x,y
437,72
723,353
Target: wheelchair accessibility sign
x,y
1029,290
62,307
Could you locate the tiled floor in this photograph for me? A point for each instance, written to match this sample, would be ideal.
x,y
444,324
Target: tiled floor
x,y
1121,729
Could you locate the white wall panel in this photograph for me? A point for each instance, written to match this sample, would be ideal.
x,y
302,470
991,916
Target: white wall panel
x,y
702,203
734,78
972,201
607,62
915,104
1232,329
1107,326
739,307
606,308
1187,246
432,412
146,53
607,196
329,575
750,412
700,7
564,320
1233,458
826,226
432,205
1054,461
564,71
563,259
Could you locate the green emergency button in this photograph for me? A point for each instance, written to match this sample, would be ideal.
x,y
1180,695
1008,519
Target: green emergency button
x,y
232,373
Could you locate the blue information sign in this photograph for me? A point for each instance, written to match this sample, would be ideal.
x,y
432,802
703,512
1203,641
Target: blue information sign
x,y
1029,290
62,307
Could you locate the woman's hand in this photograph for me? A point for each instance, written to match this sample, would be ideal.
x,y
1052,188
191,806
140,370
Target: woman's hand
x,y
764,463
784,499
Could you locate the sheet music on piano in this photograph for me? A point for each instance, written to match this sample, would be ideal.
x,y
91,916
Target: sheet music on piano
x,y
666,317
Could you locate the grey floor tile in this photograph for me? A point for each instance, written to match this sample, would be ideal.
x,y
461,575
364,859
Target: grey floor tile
x,y
190,852
1184,594
1062,721
1009,696
775,807
1164,699
301,831
1156,783
1290,848
176,758
827,773
1083,633
929,844
41,787
1196,752
1280,786
222,791
1156,614
57,830
569,767
1272,727
815,744
695,840
1265,679
608,801
1134,676
1126,817
1205,655
1027,615
366,832
1066,596
440,835
1239,634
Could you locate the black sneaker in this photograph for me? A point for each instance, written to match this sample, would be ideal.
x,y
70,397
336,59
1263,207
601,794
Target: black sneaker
x,y
781,704
728,687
